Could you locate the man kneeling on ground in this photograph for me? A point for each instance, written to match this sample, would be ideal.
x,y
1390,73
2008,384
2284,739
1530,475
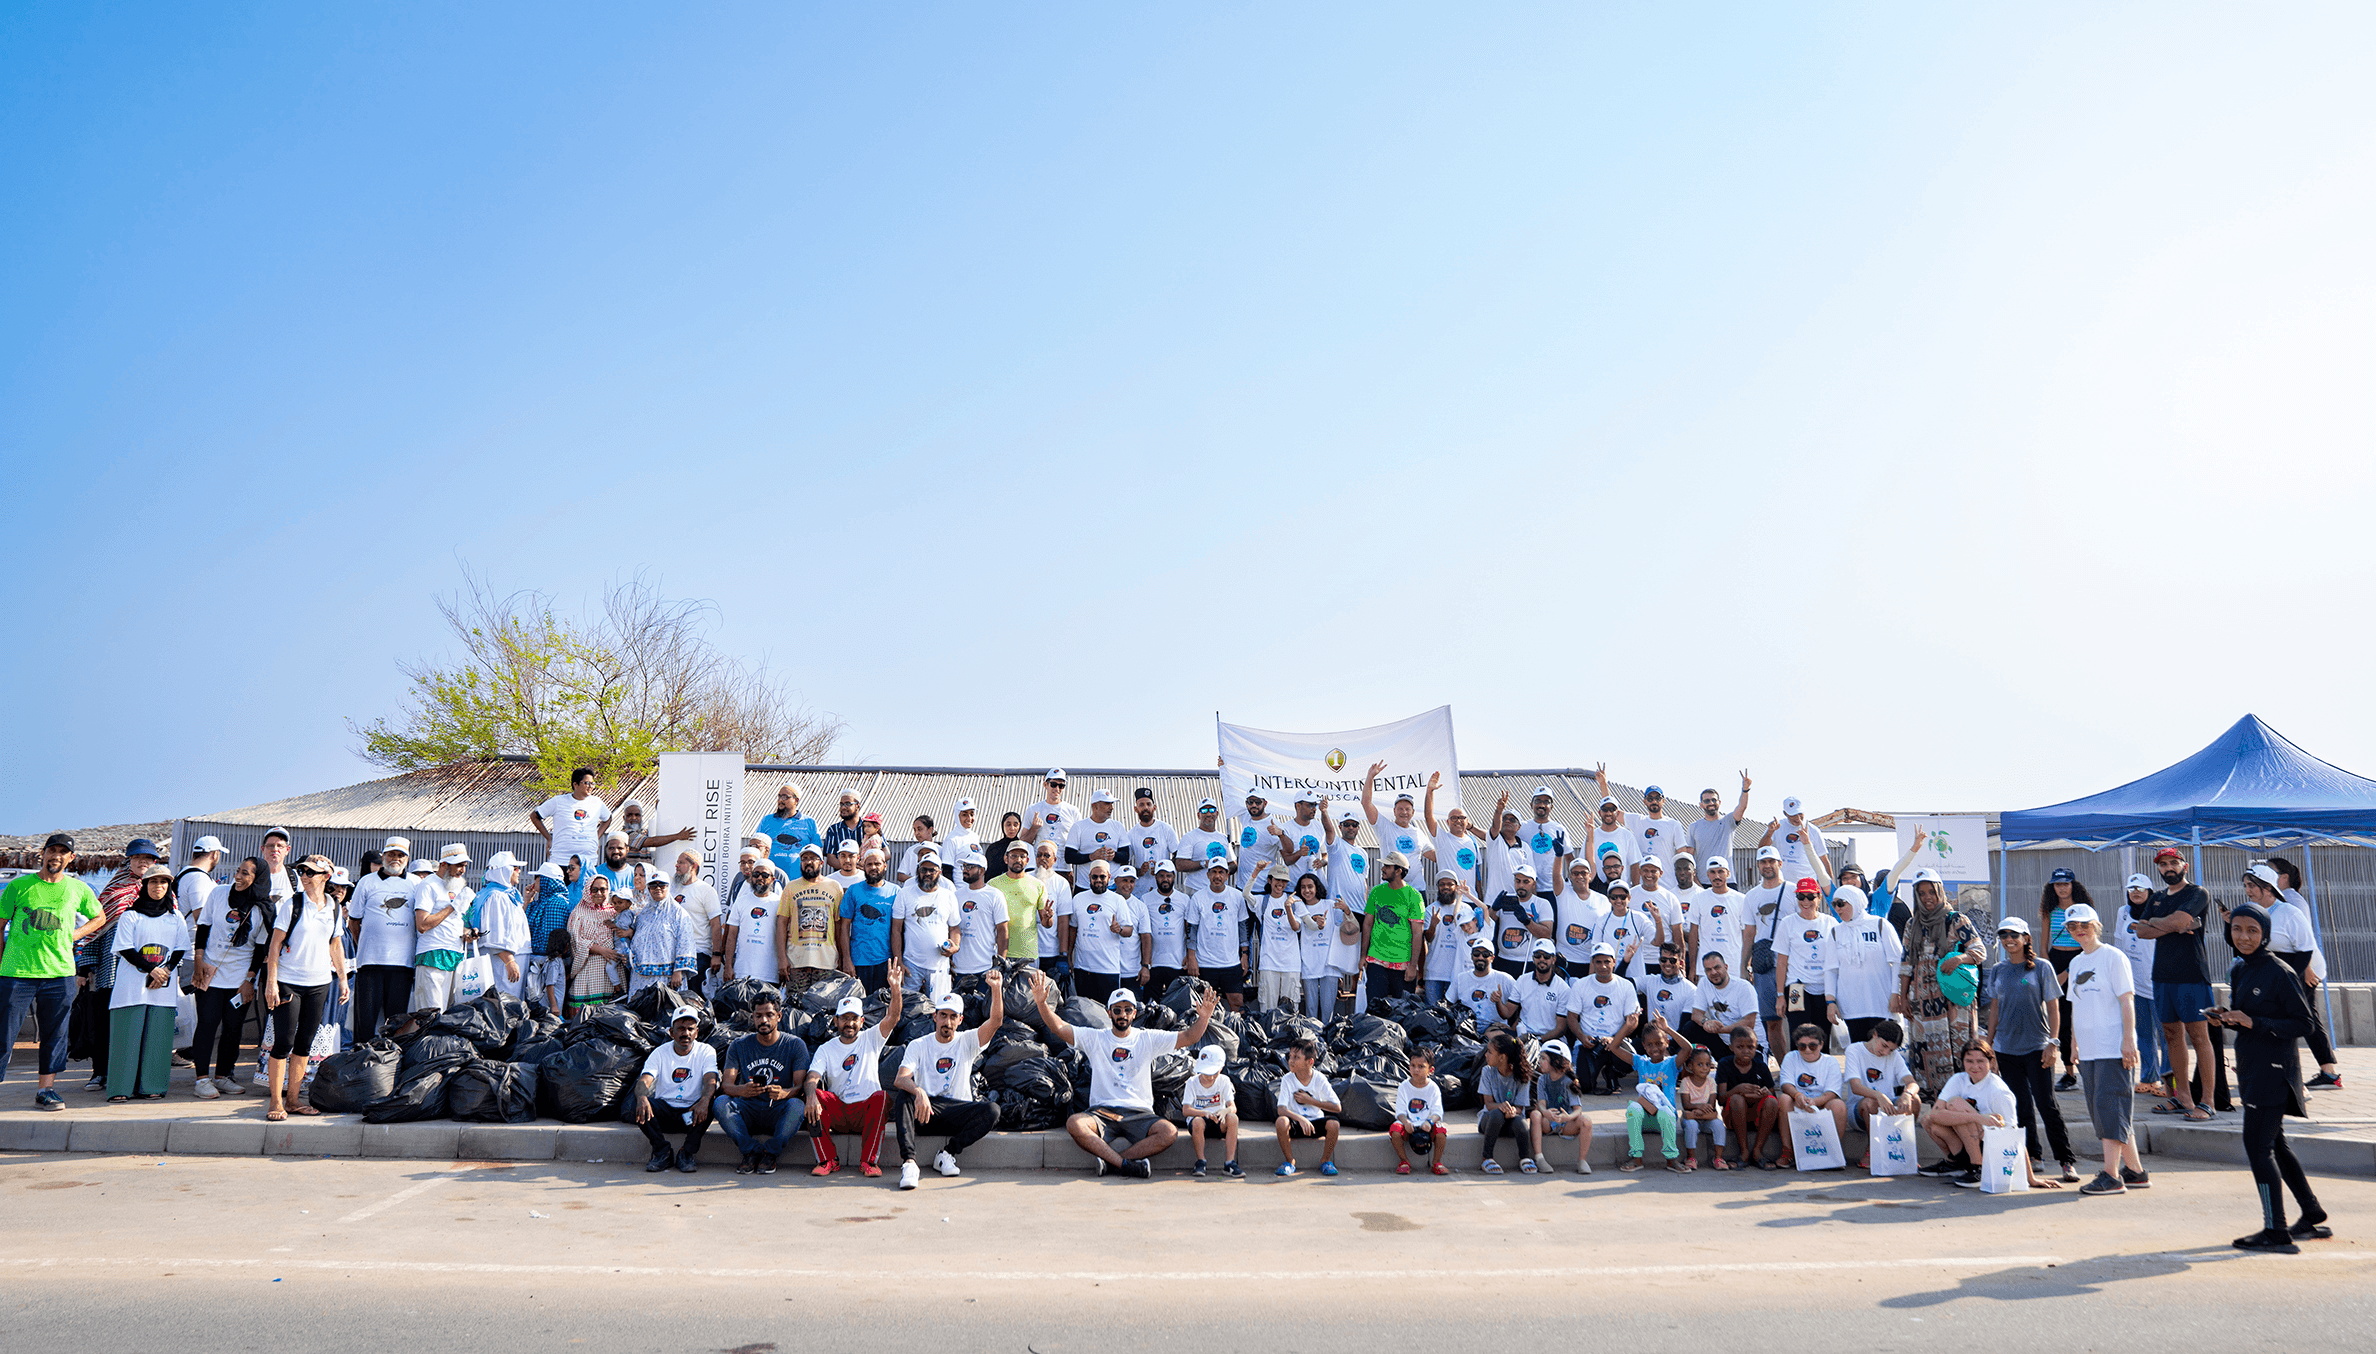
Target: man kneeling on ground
x,y
1121,1079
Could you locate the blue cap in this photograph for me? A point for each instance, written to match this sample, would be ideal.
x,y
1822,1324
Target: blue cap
x,y
1653,790
2062,877
142,846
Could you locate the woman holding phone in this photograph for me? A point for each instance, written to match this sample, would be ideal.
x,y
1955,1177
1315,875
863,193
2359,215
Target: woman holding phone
x,y
2270,1014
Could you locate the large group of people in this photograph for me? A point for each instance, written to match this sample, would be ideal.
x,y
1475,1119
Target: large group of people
x,y
1614,958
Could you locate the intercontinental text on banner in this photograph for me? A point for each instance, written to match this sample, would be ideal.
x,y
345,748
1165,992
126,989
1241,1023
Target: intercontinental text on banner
x,y
702,790
1956,846
1280,765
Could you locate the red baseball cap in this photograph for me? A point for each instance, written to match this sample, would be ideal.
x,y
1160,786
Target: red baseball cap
x,y
2169,853
1809,886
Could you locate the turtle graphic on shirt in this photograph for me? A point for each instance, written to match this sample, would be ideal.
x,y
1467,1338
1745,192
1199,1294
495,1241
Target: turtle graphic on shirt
x,y
2084,978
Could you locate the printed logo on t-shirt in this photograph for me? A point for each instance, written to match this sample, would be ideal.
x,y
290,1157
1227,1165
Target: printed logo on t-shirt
x,y
1220,905
1121,1055
578,814
1541,843
757,913
1404,841
1722,1008
1246,836
1466,857
1417,1105
1806,1078
1360,865
1215,850
679,1073
1577,933
943,1063
1512,937
1715,909
1309,843
1666,994
1809,935
2085,977
155,954
1872,1076
1476,994
850,1063
1163,909
1601,1000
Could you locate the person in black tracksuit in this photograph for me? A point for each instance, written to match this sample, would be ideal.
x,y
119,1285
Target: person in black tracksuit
x,y
2270,1012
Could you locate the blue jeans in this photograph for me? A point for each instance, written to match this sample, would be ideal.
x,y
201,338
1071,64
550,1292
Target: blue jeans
x,y
50,1000
741,1118
1436,988
2153,1056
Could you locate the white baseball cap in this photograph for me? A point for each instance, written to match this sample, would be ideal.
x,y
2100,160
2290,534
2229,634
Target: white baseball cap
x,y
812,849
1406,797
2017,926
1352,813
1543,792
1768,853
1055,773
1790,806
1306,797
1127,872
1101,796
1558,1046
339,876
849,1006
950,1002
1544,947
2076,913
2138,881
1686,858
1480,943
965,805
1164,866
1209,1060
1604,948
205,844
1217,863
974,858
1609,802
1204,804
1123,996
2266,874
421,865
272,832
1526,871
503,860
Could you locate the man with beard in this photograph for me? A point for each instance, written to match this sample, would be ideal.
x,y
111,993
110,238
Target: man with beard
x,y
674,1092
704,918
1541,996
381,933
846,1094
754,928
1051,820
1203,844
1027,905
1519,919
2174,919
1165,912
1218,955
1103,925
1451,923
787,830
981,924
1152,841
934,1088
43,916
866,931
849,829
926,938
810,902
1121,1086
766,1071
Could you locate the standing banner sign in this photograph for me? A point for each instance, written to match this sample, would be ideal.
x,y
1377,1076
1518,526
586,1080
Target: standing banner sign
x,y
1332,764
1957,847
701,790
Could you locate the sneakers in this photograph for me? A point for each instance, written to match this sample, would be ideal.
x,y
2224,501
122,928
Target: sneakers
x,y
2267,1239
1098,1164
100,1083
2070,1174
660,1161
767,1163
1139,1170
1328,1168
2104,1183
1543,1164
1232,1170
1954,1165
908,1175
229,1087
750,1164
946,1164
1199,1172
1583,1167
205,1090
686,1163
48,1100
2135,1179
869,1170
1968,1180
2325,1081
825,1168
1287,1168
2068,1083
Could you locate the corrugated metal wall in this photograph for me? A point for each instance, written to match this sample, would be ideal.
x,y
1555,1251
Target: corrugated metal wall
x,y
2342,884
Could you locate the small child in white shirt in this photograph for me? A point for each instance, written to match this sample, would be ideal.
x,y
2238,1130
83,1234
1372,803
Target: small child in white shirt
x,y
1419,1113
1210,1101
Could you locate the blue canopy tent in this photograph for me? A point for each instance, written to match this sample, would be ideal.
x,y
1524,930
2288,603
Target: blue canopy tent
x,y
2250,786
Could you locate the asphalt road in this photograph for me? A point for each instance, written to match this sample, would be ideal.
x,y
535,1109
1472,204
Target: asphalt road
x,y
202,1254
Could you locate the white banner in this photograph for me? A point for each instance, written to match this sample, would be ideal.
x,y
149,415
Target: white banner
x,y
1957,847
1333,764
701,790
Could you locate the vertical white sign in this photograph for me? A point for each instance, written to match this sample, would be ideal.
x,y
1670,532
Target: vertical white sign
x,y
703,791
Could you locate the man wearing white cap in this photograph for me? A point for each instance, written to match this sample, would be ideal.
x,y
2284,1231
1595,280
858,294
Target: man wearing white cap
x,y
1720,920
440,903
1164,913
1094,838
846,1094
1769,904
1609,831
1306,849
754,944
1201,845
1542,995
1401,830
1105,927
1484,989
1052,819
1547,844
981,923
1260,838
1121,1085
383,938
1517,920
934,1087
1602,1011
1799,841
925,938
195,884
499,916
673,1093
1216,926
848,829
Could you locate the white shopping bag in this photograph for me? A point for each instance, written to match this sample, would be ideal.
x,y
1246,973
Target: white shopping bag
x,y
2004,1161
473,976
1816,1140
1893,1144
185,1019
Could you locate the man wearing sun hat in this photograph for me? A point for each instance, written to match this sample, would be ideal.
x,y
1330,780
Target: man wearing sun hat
x,y
382,938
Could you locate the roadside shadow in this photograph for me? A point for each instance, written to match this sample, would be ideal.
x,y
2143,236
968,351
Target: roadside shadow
x,y
2075,1278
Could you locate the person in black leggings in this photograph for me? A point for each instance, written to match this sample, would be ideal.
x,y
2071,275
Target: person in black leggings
x,y
2062,890
2021,1008
306,951
2270,1011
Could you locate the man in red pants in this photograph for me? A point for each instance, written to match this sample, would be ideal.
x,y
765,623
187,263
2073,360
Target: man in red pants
x,y
846,1094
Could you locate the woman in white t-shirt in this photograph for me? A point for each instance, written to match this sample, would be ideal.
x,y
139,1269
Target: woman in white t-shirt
x,y
307,951
231,931
146,948
1323,918
2152,1058
1971,1102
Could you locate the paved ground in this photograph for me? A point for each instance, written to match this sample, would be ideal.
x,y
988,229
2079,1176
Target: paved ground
x,y
223,1253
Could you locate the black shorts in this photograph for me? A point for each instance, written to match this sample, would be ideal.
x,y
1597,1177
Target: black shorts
x,y
1226,980
1124,1127
1319,1129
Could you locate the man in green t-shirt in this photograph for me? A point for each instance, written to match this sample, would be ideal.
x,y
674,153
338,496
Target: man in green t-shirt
x,y
1390,931
1027,903
41,917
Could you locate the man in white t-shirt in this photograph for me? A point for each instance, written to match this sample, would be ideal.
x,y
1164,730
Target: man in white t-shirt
x,y
1217,952
1669,994
1121,1085
1165,911
573,824
673,1093
1201,845
1452,921
439,903
1727,1003
1652,897
1104,934
1150,839
754,944
1484,988
1601,1015
925,919
846,1094
1401,830
382,938
1609,830
1538,999
1720,919
1879,1082
1517,920
1096,839
1768,905
935,1084
981,921
1055,934
1305,850
1052,819
1260,838
1548,845
1799,841
1658,836
1711,837
1634,936
1459,845
1688,891
1579,914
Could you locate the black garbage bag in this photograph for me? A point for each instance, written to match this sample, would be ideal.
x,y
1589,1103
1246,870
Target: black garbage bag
x,y
1159,1017
1462,1020
1456,1065
401,1030
1076,1070
1220,1036
1401,1010
1083,1014
915,1021
614,1025
448,1051
881,1000
1033,1079
532,1046
887,1066
347,1083
735,998
1181,996
1360,1034
489,1092
1366,1103
1170,1072
826,993
1286,1028
419,1093
1257,1089
481,1022
1454,1089
811,1030
1387,1068
1009,1049
1428,1025
1021,1114
658,1005
587,1081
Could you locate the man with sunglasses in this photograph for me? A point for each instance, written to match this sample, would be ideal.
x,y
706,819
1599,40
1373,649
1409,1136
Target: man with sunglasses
x,y
1711,837
1052,819
1810,1080
1659,836
1201,845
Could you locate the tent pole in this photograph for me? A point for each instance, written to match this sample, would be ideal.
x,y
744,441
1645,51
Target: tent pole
x,y
2326,999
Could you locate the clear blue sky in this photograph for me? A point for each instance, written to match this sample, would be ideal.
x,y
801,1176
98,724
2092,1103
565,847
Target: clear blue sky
x,y
1924,408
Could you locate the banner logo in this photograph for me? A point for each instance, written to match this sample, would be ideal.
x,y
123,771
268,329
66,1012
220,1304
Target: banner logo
x,y
1335,759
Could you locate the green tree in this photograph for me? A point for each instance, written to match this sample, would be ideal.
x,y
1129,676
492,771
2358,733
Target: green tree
x,y
610,691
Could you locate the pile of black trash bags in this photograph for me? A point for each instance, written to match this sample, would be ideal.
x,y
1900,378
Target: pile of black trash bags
x,y
503,1060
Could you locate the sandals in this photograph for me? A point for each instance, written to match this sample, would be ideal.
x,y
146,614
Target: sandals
x,y
275,1116
2168,1107
1405,1167
1630,1165
2199,1115
307,1110
1440,1169
1722,1165
1688,1166
125,1099
1678,1167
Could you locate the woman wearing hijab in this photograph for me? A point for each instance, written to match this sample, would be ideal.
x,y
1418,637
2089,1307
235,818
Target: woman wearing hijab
x,y
2023,1005
502,921
548,932
231,931
1938,984
2270,1010
2296,942
592,948
307,950
146,948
